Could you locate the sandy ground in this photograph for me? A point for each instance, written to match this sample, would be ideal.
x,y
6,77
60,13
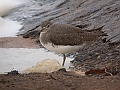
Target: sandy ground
x,y
18,42
59,80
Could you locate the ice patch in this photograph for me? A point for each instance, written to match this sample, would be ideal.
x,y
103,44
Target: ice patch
x,y
7,5
9,28
23,58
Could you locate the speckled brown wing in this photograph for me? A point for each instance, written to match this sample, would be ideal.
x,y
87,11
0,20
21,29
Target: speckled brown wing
x,y
62,34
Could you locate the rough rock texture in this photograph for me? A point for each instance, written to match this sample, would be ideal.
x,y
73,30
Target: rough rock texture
x,y
91,13
99,56
86,14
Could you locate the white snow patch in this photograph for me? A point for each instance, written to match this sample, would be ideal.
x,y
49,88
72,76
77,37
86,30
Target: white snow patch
x,y
9,28
7,5
22,58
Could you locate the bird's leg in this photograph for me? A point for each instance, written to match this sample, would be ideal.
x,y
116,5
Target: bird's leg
x,y
64,57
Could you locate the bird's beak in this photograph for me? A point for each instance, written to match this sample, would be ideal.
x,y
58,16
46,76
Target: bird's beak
x,y
36,34
41,29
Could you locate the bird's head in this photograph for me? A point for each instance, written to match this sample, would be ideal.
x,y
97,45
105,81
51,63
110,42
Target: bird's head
x,y
44,26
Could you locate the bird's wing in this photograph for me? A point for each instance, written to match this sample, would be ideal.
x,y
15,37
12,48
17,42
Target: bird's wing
x,y
62,34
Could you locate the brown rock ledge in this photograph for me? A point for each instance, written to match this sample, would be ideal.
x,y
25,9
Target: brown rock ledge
x,y
17,42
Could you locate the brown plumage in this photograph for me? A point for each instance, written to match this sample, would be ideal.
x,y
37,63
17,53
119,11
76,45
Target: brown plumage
x,y
63,38
63,34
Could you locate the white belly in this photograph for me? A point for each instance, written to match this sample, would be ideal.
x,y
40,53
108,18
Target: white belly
x,y
63,49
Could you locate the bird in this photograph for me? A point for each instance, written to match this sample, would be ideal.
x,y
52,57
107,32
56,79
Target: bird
x,y
64,38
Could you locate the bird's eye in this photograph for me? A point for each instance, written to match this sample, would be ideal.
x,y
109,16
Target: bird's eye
x,y
48,25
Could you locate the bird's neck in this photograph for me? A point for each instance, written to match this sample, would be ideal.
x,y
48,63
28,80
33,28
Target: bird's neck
x,y
44,38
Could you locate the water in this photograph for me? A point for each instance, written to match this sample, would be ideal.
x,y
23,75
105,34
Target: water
x,y
23,58
22,14
8,28
7,5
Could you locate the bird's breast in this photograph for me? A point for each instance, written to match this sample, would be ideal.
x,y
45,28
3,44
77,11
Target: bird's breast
x,y
63,49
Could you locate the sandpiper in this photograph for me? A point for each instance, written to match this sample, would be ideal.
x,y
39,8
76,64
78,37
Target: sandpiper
x,y
64,38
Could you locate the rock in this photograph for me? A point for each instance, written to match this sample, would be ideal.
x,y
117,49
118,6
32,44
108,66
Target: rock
x,y
107,56
14,72
45,66
91,14
62,69
85,14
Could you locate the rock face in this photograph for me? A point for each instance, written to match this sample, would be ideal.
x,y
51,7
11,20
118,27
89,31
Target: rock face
x,y
89,13
86,14
99,56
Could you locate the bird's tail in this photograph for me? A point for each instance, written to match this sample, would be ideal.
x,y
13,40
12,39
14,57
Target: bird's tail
x,y
98,31
99,34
